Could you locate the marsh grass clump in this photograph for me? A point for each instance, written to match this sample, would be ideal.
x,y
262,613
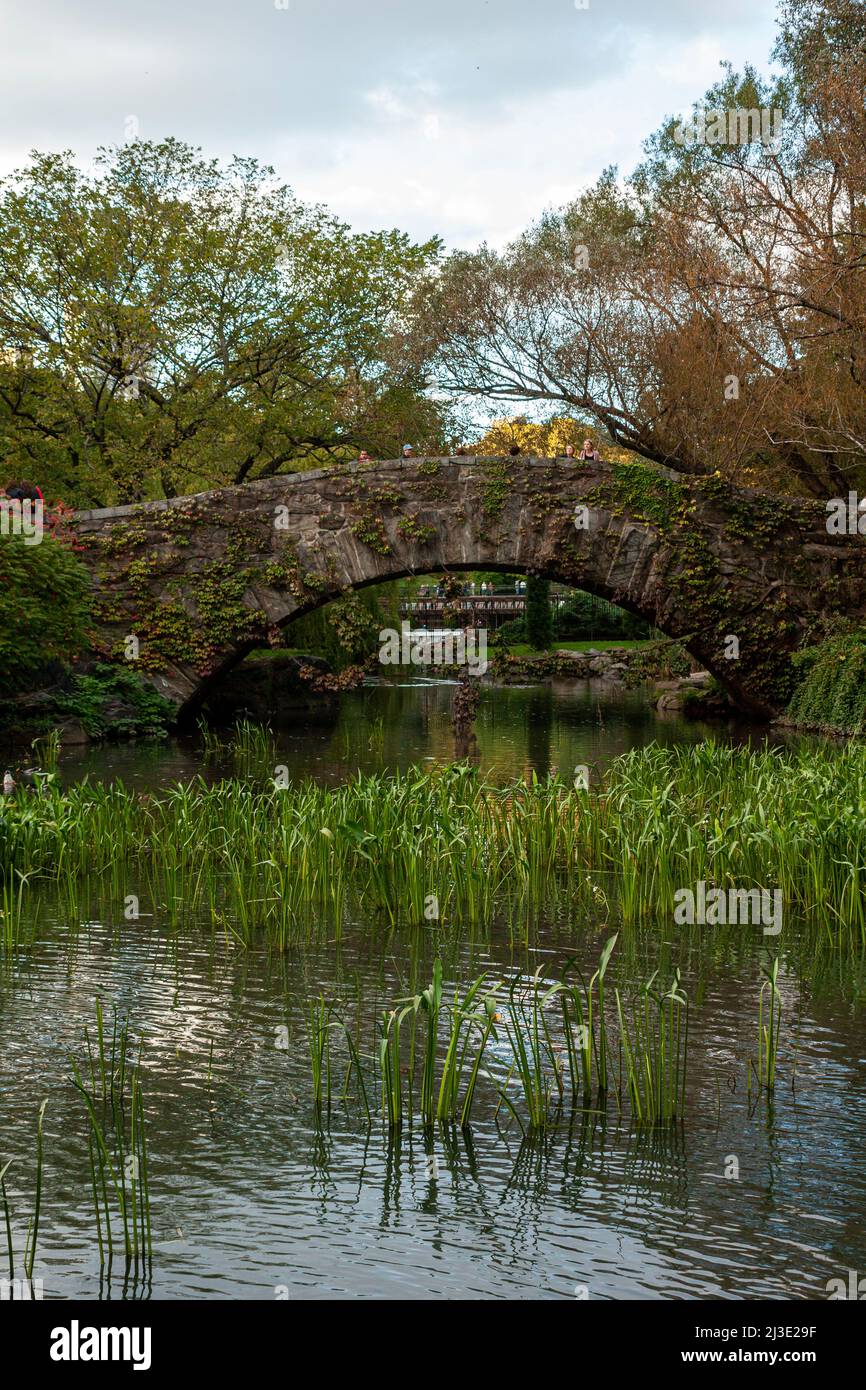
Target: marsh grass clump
x,y
110,1087
654,1037
542,1063
251,857
322,1021
32,1235
584,1027
769,1030
15,911
252,745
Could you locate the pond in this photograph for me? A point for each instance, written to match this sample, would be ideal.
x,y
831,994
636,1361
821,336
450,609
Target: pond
x,y
393,725
252,1198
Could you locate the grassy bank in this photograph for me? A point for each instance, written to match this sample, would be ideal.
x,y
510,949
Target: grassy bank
x,y
524,649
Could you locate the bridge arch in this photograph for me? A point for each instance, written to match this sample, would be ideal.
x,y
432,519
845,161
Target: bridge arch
x,y
199,581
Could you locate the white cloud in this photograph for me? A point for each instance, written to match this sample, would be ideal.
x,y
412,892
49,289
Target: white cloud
x,y
464,118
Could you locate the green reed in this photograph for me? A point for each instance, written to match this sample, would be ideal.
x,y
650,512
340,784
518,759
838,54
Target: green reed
x,y
288,861
323,1021
469,1022
32,1235
769,1027
536,1064
110,1088
654,1039
211,744
585,1028
15,909
46,750
253,745
436,1074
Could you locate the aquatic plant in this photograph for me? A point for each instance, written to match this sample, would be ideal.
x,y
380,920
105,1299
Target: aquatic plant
x,y
322,1019
46,750
435,1073
769,1028
654,1039
116,1142
587,1045
251,858
13,902
32,1235
252,745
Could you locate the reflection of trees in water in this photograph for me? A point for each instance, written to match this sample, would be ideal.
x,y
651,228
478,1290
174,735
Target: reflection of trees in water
x,y
539,720
517,730
466,748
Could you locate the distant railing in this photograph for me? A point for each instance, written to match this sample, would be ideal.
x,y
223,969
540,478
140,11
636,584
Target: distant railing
x,y
497,606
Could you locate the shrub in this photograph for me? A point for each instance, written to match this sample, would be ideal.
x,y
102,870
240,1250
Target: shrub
x,y
112,702
44,608
831,691
510,633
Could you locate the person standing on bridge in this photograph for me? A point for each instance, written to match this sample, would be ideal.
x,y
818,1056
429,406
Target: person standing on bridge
x,y
408,451
589,453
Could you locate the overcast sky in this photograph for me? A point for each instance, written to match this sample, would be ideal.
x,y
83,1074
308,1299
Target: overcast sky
x,y
462,117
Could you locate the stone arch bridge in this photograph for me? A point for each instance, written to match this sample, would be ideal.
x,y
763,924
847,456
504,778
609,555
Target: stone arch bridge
x,y
200,581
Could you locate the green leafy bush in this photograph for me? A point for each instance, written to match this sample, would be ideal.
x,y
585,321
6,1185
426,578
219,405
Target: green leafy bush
x,y
831,691
510,633
111,702
44,608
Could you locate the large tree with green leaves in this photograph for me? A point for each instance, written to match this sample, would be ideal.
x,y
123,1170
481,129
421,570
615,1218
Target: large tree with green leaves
x,y
168,323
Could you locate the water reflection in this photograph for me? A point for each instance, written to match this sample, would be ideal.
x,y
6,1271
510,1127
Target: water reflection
x,y
249,1197
518,731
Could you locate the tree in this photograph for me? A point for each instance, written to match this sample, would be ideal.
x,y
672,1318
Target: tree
x,y
709,312
543,439
539,620
167,323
